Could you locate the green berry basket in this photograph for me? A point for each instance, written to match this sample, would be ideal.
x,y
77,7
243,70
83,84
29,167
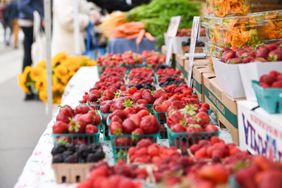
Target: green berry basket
x,y
121,143
269,99
184,140
104,129
77,138
161,117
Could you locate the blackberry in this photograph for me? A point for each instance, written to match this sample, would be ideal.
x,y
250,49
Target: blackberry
x,y
58,158
59,148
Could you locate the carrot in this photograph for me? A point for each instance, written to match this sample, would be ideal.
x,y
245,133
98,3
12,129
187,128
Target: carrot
x,y
132,36
140,36
150,37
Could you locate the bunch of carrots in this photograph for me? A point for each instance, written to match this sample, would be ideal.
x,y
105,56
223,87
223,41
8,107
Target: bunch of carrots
x,y
132,30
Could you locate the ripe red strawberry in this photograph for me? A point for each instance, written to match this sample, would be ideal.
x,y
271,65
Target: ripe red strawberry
x,y
122,141
277,84
143,113
137,132
194,148
116,118
91,129
150,124
136,119
81,109
211,128
153,150
143,143
116,128
178,128
217,173
268,79
203,118
60,127
201,153
194,128
275,55
128,126
65,113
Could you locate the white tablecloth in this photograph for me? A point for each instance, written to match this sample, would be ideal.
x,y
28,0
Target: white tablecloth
x,y
37,171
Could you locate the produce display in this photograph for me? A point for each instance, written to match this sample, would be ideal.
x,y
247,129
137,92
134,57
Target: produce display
x,y
64,66
81,153
153,16
247,54
229,7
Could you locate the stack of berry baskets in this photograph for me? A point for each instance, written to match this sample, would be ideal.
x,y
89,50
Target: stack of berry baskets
x,y
186,127
127,127
79,125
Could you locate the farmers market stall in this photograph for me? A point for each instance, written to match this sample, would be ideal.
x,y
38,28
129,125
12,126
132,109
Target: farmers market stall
x,y
132,120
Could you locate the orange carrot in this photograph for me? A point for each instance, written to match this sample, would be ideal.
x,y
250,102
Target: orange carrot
x,y
150,37
140,36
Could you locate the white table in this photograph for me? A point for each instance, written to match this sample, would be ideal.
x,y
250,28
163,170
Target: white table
x,y
38,171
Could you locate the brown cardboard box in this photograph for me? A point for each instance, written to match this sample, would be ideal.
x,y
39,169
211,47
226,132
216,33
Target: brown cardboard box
x,y
71,173
198,80
223,105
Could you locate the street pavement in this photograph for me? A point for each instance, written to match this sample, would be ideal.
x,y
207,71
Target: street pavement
x,y
21,123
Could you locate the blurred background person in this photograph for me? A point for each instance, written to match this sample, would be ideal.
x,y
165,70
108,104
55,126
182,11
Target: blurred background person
x,y
4,23
63,24
11,15
26,9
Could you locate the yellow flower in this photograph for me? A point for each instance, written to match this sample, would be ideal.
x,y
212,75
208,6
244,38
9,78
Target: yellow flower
x,y
60,71
43,96
65,79
22,82
41,64
91,62
36,72
74,66
41,82
58,58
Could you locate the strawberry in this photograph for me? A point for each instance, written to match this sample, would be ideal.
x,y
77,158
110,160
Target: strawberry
x,y
268,79
81,109
60,127
137,132
116,128
116,118
65,113
277,84
143,143
211,128
262,52
153,150
143,113
203,118
275,55
91,129
201,153
136,119
150,124
128,126
193,128
178,128
217,173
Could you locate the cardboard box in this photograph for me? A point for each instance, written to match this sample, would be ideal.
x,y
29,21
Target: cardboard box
x,y
71,173
260,132
223,105
198,80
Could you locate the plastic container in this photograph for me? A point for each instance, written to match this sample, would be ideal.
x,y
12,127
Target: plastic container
x,y
75,138
225,8
184,140
268,99
161,116
104,129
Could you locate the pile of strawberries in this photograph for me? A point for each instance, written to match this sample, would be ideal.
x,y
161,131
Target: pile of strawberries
x,y
142,75
153,57
127,58
271,80
82,119
107,88
119,176
147,152
247,54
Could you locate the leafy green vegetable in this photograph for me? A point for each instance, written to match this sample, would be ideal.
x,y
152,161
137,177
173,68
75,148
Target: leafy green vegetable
x,y
157,14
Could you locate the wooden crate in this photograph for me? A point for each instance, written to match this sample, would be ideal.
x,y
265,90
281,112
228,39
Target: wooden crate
x,y
224,106
71,173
